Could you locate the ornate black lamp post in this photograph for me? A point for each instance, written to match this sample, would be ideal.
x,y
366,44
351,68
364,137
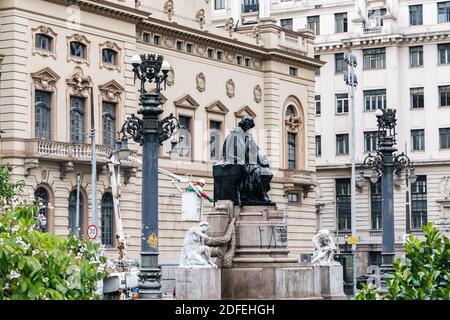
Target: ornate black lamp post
x,y
385,163
150,132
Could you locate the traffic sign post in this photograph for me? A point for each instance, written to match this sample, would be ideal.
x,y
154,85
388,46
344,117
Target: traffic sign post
x,y
92,231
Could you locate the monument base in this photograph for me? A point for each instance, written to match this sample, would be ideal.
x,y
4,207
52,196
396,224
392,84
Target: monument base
x,y
198,283
332,282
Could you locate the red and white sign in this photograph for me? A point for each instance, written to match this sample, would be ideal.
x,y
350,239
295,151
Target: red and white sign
x,y
92,231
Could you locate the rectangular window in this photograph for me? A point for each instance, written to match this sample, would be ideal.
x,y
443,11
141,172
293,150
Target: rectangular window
x,y
444,53
418,139
210,53
293,197
415,15
146,37
287,24
247,62
219,4
375,258
444,96
444,11
156,40
318,105
293,71
339,65
343,205
370,141
291,150
215,134
109,124
375,205
238,60
340,22
313,23
189,47
374,99
317,73
318,146
109,56
416,98
342,144
419,202
342,103
219,55
43,115
444,138
179,45
416,56
184,145
250,6
375,17
77,120
78,49
44,42
374,58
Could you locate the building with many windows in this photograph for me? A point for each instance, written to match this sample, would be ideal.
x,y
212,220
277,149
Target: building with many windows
x,y
60,60
403,53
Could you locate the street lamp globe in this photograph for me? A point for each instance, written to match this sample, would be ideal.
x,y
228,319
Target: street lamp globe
x,y
412,175
136,60
374,176
379,113
361,181
165,67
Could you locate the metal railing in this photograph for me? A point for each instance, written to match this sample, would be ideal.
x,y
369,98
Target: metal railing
x,y
372,30
254,7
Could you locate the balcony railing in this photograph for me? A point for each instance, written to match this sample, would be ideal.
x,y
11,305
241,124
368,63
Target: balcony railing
x,y
372,30
250,7
299,176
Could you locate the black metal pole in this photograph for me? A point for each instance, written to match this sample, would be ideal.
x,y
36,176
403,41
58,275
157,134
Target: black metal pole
x,y
408,217
150,271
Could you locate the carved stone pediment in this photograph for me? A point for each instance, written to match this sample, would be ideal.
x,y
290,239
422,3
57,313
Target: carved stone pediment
x,y
217,107
78,81
186,101
111,91
45,79
245,111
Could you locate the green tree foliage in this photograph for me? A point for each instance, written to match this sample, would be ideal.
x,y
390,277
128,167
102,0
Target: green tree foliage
x,y
37,265
8,189
424,273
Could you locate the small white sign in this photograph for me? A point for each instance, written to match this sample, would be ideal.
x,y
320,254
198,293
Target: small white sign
x,y
92,231
191,206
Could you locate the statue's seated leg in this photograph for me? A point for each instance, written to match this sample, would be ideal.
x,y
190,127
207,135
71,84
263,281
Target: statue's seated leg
x,y
265,180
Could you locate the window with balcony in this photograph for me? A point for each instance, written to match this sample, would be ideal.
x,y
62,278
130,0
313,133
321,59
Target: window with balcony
x,y
287,23
370,141
341,144
443,11
416,98
375,17
318,146
107,221
77,119
313,23
416,56
419,202
109,124
343,205
374,99
340,20
219,4
215,133
375,205
250,6
418,139
416,15
444,96
444,53
318,105
339,65
374,58
444,138
341,103
43,114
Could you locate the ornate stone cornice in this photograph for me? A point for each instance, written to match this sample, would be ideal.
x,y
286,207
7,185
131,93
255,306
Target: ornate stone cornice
x,y
45,79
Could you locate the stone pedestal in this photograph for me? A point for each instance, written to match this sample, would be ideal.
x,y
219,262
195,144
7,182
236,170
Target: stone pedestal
x,y
332,282
198,283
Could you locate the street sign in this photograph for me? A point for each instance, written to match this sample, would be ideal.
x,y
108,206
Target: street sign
x,y
352,240
92,231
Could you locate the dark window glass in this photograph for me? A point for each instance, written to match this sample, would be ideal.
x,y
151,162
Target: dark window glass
x,y
41,197
73,213
444,53
370,140
238,60
290,111
287,24
43,115
444,138
317,73
189,47
374,99
318,105
109,124
292,197
76,119
415,15
179,45
375,205
293,71
214,139
419,202
444,96
44,42
416,56
416,98
313,23
375,17
418,139
318,146
291,150
247,62
443,11
156,40
78,49
375,258
107,220
340,65
343,205
250,6
184,146
210,53
219,55
109,56
374,58
342,103
340,22
219,4
146,37
342,144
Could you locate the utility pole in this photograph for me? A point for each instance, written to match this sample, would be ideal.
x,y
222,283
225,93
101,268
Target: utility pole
x,y
93,165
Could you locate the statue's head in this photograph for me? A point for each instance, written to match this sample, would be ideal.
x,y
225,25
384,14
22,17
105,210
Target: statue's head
x,y
204,226
247,123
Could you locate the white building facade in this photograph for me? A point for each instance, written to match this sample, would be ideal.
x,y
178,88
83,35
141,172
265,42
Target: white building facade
x,y
403,54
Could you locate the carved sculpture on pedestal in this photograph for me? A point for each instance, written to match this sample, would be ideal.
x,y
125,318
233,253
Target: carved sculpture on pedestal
x,y
324,249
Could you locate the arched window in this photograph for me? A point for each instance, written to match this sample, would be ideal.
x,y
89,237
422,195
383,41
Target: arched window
x,y
293,140
290,111
43,114
107,220
73,213
42,198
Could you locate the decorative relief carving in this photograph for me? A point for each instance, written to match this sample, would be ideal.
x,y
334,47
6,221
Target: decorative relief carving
x,y
257,34
169,42
48,32
170,77
229,26
78,82
200,18
257,93
168,9
230,88
201,82
45,79
230,57
444,187
111,91
112,46
201,50
257,64
293,123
